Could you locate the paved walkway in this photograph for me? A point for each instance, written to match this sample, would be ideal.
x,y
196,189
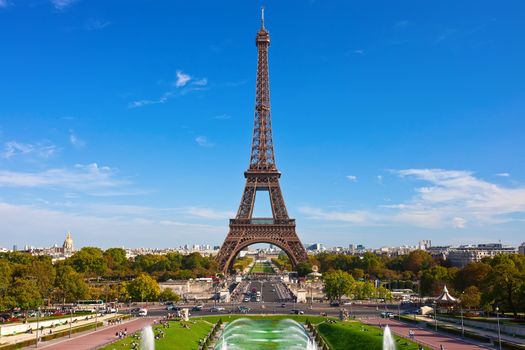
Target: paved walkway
x,y
424,336
92,340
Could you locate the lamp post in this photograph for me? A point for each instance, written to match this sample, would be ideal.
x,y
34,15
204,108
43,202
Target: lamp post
x,y
37,325
461,308
399,311
435,315
70,320
499,330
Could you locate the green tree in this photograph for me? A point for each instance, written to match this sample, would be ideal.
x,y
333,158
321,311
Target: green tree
x,y
69,285
303,268
169,295
143,288
337,284
25,293
364,290
89,261
471,297
505,281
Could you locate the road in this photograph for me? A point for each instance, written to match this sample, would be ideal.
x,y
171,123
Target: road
x,y
92,340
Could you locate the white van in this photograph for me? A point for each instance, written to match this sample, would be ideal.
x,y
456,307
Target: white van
x,y
143,312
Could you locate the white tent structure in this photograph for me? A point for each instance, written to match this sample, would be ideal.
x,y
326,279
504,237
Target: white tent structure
x,y
445,297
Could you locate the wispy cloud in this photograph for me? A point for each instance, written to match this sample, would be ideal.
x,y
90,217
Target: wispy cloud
x,y
183,85
448,198
351,178
62,4
182,79
503,174
360,52
203,141
200,82
87,177
14,149
96,24
208,213
76,141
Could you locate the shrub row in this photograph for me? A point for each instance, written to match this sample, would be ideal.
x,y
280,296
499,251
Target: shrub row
x,y
456,331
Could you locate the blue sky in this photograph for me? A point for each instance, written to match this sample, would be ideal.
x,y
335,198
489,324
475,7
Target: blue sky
x,y
129,123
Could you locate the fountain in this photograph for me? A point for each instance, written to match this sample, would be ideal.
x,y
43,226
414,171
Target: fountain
x,y
388,340
249,334
147,340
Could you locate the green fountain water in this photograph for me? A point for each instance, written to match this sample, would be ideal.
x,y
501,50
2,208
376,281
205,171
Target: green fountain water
x,y
249,334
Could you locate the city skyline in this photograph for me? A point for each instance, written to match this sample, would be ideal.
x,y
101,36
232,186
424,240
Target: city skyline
x,y
412,128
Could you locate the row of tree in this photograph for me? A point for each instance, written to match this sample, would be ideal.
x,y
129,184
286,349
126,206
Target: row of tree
x,y
492,282
28,281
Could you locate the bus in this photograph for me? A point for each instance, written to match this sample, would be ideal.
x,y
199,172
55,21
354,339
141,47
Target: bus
x,y
90,305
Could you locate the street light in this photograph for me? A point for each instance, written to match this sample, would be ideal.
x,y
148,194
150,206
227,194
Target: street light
x,y
462,325
37,325
435,315
70,320
499,330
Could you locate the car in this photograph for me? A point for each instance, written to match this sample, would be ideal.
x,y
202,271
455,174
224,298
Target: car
x,y
335,303
197,308
385,314
347,303
243,309
143,312
296,311
173,308
246,299
216,309
283,305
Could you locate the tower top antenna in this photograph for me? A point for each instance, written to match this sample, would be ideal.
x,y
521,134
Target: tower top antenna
x,y
262,17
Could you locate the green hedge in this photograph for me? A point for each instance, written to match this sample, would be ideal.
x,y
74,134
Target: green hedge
x,y
509,345
409,319
48,337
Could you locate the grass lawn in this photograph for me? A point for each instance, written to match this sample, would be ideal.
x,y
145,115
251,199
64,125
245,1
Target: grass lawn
x,y
356,335
262,267
177,337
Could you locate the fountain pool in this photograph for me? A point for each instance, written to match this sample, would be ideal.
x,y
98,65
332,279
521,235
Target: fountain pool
x,y
249,334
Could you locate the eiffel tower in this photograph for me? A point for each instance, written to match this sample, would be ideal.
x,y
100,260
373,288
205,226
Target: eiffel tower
x,y
262,175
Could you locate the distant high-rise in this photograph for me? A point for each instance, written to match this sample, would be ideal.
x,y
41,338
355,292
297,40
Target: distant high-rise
x,y
521,248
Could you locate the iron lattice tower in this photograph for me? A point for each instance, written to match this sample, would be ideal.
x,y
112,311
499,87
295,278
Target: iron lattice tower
x,y
262,175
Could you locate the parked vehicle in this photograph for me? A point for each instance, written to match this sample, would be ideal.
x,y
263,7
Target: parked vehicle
x,y
243,309
335,303
217,309
143,312
197,308
296,311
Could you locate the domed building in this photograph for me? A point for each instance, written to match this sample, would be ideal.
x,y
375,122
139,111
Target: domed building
x,y
68,247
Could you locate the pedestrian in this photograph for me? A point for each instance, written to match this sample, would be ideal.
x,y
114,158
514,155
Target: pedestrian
x,y
441,347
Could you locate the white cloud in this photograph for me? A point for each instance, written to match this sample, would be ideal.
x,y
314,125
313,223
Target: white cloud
x,y
182,79
14,149
200,82
356,217
62,4
447,198
503,174
207,213
140,103
359,52
75,140
203,141
36,225
351,178
459,222
96,24
379,179
88,177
